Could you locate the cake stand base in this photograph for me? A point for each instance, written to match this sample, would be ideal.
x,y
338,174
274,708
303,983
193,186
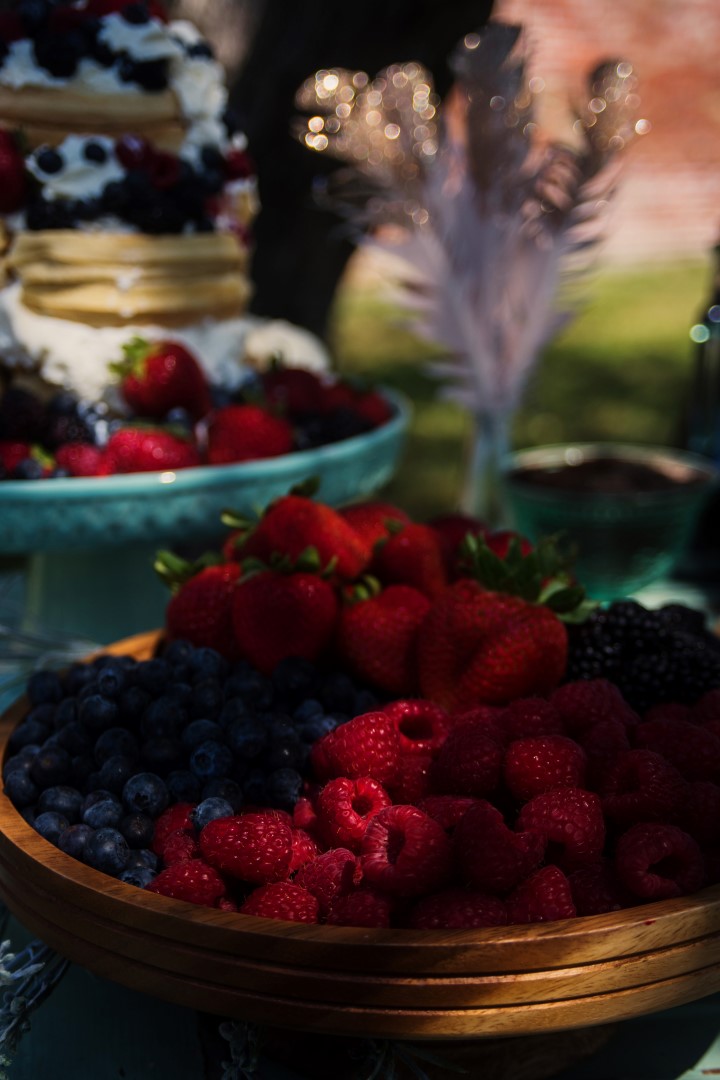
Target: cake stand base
x,y
99,595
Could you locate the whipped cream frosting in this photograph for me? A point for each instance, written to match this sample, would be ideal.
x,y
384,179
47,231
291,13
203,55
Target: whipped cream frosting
x,y
146,41
79,178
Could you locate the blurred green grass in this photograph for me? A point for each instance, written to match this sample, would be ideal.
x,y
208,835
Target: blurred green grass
x,y
620,370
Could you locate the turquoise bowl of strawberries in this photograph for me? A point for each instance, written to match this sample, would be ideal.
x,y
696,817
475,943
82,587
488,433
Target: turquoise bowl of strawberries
x,y
87,537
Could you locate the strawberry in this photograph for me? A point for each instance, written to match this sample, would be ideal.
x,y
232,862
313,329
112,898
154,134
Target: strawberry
x,y
373,407
405,853
293,391
367,745
201,608
377,636
282,900
451,530
82,459
479,647
13,179
157,376
295,522
371,520
277,615
411,556
193,881
147,449
12,453
246,433
255,847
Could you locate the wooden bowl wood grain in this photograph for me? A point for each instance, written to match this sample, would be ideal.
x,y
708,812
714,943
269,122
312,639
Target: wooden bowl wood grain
x,y
398,984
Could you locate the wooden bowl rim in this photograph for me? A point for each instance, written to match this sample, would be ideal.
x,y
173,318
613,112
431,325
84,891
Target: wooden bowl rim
x,y
35,848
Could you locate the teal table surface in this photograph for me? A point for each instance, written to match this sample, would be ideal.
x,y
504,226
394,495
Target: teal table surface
x,y
92,1029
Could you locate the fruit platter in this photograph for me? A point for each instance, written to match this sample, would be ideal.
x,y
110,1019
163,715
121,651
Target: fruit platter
x,y
379,777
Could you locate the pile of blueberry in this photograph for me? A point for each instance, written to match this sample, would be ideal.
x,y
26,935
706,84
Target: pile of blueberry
x,y
61,38
108,745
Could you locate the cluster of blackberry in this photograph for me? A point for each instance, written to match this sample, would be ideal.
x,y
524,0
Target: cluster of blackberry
x,y
62,37
106,747
159,193
653,656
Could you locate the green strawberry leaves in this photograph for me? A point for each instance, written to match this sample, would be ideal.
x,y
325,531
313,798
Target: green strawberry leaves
x,y
174,571
543,576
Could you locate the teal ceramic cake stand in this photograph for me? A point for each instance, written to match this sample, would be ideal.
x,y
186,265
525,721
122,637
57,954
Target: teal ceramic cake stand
x,y
90,542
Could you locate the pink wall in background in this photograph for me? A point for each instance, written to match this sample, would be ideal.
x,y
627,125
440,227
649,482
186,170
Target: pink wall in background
x,y
668,204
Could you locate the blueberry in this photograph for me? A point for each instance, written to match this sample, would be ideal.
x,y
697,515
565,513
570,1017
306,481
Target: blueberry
x,y
142,857
66,712
50,824
137,829
153,675
19,763
162,755
313,729
145,793
207,698
62,799
180,418
132,704
64,403
137,14
256,690
115,772
33,13
74,737
232,710
115,741
139,876
98,713
365,701
95,151
59,60
183,786
28,469
101,53
255,788
112,680
77,676
287,749
82,769
284,787
223,788
200,50
294,679
211,759
51,766
28,732
106,813
248,737
179,692
163,717
199,731
337,692
308,710
73,840
210,810
22,415
44,687
107,850
21,789
178,652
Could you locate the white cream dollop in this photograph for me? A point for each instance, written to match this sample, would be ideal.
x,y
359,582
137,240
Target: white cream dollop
x,y
20,68
79,178
150,40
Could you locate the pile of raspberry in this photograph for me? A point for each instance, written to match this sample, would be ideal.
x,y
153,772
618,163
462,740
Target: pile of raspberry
x,y
543,809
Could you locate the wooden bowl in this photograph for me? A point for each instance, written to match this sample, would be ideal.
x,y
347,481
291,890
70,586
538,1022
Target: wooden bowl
x,y
398,984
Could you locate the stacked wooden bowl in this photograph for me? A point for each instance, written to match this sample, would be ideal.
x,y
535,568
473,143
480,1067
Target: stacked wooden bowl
x,y
407,985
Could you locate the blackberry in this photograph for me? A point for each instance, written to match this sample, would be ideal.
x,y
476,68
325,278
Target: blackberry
x,y
653,656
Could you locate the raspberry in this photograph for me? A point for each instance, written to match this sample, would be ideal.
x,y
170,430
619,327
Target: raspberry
x,y
602,742
193,881
282,900
543,762
304,816
700,812
304,849
582,704
331,875
470,762
405,853
365,907
531,716
491,856
490,718
671,710
692,749
177,816
344,808
571,822
412,780
368,745
179,847
255,847
422,725
446,809
641,786
457,909
656,862
543,897
707,708
596,889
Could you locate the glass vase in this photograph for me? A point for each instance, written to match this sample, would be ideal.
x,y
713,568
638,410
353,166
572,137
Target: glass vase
x,y
482,492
